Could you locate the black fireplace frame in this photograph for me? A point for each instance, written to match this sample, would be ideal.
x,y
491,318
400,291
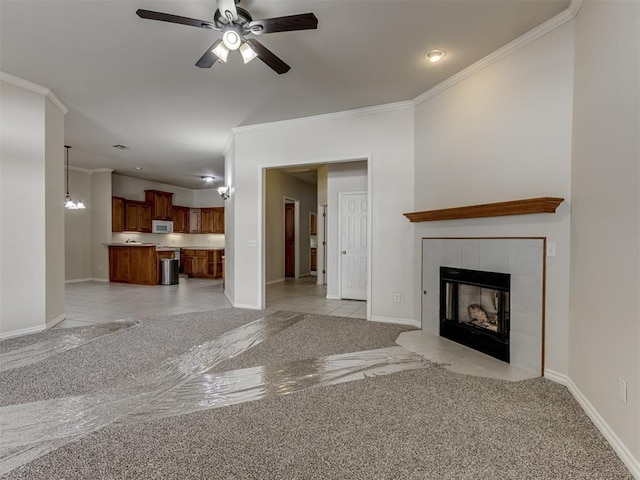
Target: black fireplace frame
x,y
495,344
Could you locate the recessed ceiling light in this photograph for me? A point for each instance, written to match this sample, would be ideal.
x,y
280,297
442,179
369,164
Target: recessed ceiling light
x,y
208,179
121,147
138,168
435,55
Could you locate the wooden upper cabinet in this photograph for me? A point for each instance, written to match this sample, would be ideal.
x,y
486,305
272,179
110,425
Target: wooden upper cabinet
x,y
194,220
145,217
137,216
218,220
212,220
180,219
161,204
117,214
206,220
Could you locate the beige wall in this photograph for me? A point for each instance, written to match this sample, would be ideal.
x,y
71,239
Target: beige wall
x,y
382,135
503,134
605,288
54,213
31,232
279,185
100,223
77,228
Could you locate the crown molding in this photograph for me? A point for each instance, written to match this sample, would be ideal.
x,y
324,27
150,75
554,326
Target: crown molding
x,y
325,117
554,22
90,171
37,89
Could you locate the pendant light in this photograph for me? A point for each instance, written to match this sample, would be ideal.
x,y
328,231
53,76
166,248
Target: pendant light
x,y
68,203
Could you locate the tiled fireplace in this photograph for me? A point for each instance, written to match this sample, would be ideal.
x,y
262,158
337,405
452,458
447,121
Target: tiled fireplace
x,y
487,293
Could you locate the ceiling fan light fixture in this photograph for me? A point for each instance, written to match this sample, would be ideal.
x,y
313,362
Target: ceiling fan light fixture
x,y
435,55
231,39
221,51
247,52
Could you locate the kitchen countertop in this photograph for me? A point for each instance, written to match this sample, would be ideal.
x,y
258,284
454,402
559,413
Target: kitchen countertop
x,y
161,248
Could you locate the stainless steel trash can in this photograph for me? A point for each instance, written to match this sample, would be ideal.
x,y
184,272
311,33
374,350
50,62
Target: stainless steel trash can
x,y
169,271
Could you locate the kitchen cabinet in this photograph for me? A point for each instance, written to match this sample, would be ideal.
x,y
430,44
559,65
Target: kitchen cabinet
x,y
137,216
119,264
206,220
194,220
161,203
201,263
139,264
117,214
212,220
180,219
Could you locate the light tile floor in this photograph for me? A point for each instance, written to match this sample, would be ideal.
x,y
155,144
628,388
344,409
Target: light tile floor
x,y
103,302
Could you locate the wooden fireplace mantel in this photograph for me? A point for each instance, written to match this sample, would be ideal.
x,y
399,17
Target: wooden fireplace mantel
x,y
514,207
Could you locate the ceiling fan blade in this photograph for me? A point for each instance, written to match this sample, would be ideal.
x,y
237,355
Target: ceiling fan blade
x,y
228,9
268,57
304,21
167,17
209,58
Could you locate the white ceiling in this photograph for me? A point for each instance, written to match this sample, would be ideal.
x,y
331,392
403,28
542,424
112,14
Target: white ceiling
x,y
134,82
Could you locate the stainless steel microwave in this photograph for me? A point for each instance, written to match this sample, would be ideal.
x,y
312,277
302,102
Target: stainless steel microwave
x,y
161,226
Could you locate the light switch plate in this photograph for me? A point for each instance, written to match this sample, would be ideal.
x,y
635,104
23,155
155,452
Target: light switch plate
x,y
551,249
252,243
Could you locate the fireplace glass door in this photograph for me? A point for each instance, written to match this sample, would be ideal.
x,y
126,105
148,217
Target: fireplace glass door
x,y
474,309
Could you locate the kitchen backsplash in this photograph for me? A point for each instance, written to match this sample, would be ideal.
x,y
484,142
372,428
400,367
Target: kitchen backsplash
x,y
172,239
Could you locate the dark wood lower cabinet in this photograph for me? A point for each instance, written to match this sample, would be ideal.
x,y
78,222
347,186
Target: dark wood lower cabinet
x,y
139,265
119,264
202,263
142,264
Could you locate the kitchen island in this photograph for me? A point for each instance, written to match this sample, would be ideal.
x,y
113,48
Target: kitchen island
x,y
139,263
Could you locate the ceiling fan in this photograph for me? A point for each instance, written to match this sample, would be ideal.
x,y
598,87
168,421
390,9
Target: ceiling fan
x,y
236,24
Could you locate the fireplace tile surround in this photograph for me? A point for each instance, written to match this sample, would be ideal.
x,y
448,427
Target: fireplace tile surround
x,y
521,257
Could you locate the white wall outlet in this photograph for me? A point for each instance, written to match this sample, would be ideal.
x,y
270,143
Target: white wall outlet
x,y
396,297
252,243
622,390
551,249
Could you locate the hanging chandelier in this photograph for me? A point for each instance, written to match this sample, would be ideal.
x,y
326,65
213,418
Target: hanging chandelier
x,y
68,203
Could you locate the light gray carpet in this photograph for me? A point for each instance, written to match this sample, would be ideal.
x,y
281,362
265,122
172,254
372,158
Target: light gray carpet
x,y
423,424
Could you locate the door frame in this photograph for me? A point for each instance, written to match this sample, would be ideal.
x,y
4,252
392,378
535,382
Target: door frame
x,y
262,187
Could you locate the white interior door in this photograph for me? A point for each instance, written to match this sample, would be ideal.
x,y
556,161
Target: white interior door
x,y
353,246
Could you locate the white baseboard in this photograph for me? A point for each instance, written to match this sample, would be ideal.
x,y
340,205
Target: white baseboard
x,y
400,321
277,280
55,321
100,280
24,331
632,463
333,297
78,280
